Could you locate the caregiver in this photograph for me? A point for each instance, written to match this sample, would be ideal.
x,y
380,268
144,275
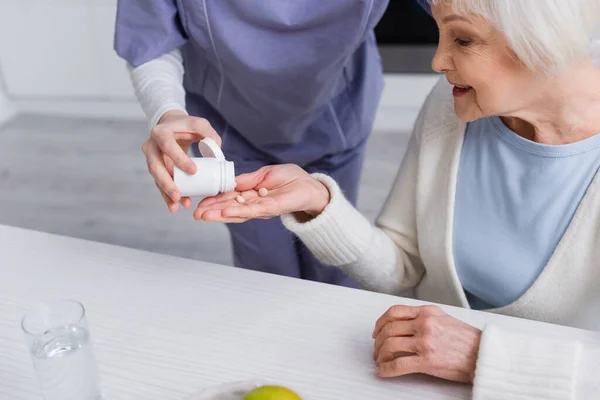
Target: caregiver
x,y
280,81
496,205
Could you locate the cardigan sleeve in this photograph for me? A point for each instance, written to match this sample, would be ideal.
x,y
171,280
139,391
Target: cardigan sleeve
x,y
523,367
514,366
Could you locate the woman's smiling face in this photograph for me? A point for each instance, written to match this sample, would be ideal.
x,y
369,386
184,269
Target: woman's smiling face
x,y
487,76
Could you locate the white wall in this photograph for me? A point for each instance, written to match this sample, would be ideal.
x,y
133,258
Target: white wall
x,y
57,57
61,48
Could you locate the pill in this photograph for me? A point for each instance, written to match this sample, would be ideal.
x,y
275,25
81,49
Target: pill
x,y
240,199
262,192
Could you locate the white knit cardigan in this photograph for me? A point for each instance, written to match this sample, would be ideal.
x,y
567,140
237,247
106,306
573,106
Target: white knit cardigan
x,y
411,247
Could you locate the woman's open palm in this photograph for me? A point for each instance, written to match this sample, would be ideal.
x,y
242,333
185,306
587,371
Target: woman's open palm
x,y
289,189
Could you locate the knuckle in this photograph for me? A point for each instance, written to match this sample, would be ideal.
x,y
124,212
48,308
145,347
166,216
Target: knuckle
x,y
427,346
175,156
396,310
432,309
385,347
428,326
163,142
155,132
265,173
388,330
151,168
200,124
398,364
162,193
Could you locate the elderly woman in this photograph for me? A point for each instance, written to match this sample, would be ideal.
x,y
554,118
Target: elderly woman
x,y
496,205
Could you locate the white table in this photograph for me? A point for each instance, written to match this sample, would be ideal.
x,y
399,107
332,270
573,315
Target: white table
x,y
165,327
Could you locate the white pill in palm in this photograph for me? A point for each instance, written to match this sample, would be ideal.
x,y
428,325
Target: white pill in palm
x,y
262,192
240,199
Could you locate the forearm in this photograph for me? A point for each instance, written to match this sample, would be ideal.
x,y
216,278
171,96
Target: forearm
x,y
158,85
341,236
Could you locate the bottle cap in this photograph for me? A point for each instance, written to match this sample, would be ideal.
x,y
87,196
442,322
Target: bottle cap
x,y
209,148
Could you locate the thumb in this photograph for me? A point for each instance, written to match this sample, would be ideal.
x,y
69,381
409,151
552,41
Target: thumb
x,y
251,180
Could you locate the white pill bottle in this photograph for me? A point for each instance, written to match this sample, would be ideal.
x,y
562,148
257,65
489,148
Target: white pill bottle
x,y
214,175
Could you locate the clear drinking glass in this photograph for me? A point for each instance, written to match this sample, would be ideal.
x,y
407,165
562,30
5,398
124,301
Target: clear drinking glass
x,y
59,341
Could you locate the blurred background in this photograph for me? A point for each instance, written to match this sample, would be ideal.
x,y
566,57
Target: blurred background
x,y
71,130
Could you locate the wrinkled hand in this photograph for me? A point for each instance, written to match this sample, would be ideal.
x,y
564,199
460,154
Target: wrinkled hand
x,y
168,144
425,340
290,190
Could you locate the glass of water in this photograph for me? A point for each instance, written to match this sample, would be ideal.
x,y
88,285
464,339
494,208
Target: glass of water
x,y
59,341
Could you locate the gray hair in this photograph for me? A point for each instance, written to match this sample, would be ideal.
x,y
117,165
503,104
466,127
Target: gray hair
x,y
546,35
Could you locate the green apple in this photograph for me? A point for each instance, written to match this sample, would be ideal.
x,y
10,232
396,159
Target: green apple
x,y
272,393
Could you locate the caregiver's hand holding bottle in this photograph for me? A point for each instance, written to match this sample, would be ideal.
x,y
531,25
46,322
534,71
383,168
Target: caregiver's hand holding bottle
x,y
290,189
168,144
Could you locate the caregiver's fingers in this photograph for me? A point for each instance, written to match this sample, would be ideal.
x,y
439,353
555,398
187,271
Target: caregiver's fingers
x,y
186,202
158,170
396,346
400,366
173,206
169,146
165,135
